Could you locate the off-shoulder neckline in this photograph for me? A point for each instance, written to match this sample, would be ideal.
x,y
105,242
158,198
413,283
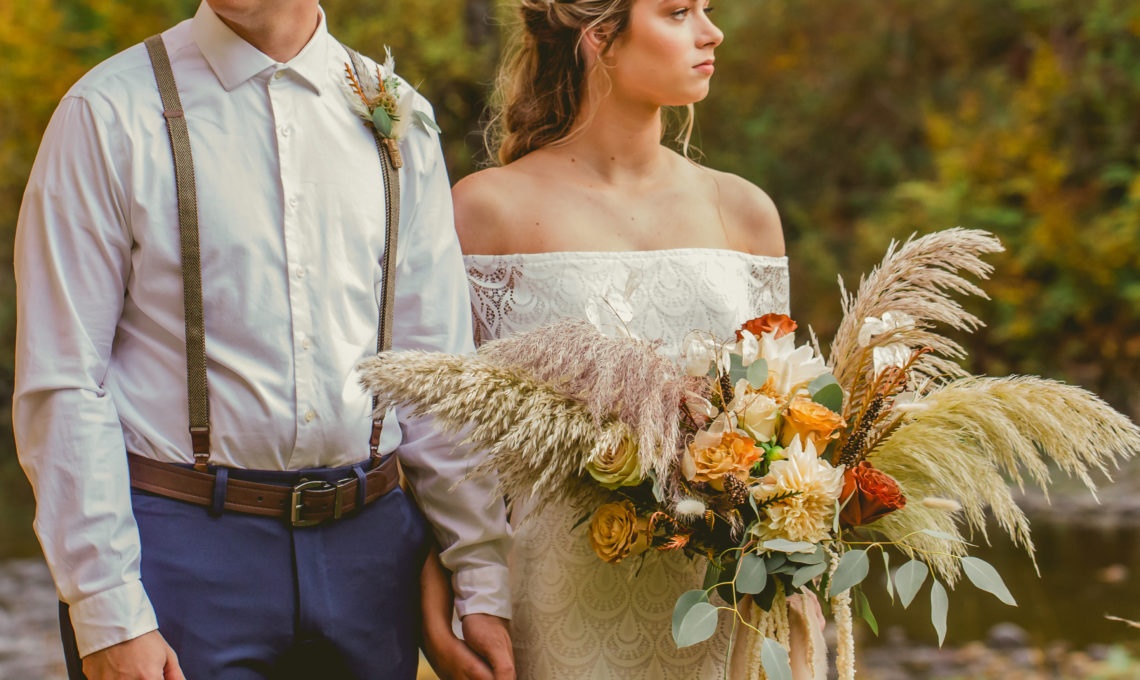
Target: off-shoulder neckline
x,y
563,255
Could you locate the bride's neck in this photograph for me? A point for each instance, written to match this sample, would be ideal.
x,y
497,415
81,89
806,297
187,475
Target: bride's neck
x,y
619,144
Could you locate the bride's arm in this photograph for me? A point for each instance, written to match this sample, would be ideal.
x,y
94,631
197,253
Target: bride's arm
x,y
450,657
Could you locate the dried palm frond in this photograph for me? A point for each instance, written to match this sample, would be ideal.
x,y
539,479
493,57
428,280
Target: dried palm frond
x,y
623,378
536,438
963,439
916,279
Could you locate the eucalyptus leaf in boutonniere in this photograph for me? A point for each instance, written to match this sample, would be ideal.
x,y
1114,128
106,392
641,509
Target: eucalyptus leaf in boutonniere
x,y
384,102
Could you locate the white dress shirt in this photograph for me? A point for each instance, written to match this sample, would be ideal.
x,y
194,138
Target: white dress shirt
x,y
292,218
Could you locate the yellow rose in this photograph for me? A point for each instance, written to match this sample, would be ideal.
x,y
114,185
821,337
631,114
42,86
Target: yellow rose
x,y
733,455
755,411
616,532
811,422
617,467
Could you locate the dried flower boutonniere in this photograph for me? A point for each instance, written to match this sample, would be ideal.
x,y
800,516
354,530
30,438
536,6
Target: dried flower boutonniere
x,y
383,102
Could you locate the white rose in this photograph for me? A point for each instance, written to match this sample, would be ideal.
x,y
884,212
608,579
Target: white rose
x,y
756,412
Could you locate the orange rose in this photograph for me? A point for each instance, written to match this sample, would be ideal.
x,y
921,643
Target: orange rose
x,y
812,422
616,532
872,493
781,323
733,455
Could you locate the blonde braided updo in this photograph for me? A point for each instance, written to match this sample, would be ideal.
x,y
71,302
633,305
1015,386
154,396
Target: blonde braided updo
x,y
538,93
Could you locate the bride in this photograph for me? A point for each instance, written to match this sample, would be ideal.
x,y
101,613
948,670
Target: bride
x,y
590,215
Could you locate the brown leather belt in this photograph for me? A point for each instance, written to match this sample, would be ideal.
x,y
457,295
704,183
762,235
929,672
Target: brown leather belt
x,y
306,503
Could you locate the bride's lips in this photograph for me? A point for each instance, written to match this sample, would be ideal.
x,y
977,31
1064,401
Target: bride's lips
x,y
706,67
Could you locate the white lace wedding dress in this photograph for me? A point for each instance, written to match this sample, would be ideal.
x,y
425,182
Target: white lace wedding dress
x,y
576,617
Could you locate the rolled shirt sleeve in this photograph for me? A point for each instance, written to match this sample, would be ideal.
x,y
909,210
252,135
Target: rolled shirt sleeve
x,y
467,514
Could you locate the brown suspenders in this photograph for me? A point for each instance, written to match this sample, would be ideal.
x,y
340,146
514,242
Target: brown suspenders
x,y
191,255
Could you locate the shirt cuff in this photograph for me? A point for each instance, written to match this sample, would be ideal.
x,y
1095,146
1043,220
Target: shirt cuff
x,y
483,590
112,616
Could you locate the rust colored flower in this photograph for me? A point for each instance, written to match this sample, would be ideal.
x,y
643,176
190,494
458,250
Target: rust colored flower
x,y
616,532
781,323
811,422
872,493
734,454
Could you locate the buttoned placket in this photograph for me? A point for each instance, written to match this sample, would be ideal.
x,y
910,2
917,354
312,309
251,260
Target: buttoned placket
x,y
283,91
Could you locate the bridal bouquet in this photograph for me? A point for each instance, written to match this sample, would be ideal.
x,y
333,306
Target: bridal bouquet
x,y
786,471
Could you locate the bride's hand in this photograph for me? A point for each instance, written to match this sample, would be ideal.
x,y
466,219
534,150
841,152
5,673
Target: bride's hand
x,y
450,657
489,637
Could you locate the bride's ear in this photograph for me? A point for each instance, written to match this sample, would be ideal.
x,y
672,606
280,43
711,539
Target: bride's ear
x,y
592,43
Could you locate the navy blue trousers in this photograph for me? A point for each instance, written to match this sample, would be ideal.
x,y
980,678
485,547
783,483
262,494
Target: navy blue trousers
x,y
241,597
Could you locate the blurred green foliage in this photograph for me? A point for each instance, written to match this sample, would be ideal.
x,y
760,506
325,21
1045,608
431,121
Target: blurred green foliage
x,y
866,122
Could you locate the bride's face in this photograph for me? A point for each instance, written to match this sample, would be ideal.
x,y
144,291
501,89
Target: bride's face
x,y
665,56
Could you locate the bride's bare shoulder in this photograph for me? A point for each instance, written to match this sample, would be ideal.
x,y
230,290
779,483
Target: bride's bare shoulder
x,y
490,205
750,215
482,206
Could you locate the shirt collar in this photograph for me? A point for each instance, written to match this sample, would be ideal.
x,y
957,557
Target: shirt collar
x,y
235,61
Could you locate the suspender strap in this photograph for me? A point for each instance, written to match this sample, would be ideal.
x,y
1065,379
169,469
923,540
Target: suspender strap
x,y
390,162
191,253
192,261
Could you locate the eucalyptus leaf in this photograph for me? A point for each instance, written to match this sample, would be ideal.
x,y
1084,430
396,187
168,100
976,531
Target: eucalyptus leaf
x,y
659,488
830,396
697,625
887,570
808,558
712,576
852,569
787,568
757,373
821,381
736,370
774,658
908,579
984,576
785,546
776,560
684,603
939,605
751,574
807,573
426,121
863,605
382,120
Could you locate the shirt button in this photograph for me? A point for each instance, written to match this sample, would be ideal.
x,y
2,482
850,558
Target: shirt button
x,y
305,344
310,416
279,75
300,272
285,130
293,202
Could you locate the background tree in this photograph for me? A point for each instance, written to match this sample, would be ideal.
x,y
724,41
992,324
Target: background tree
x,y
865,122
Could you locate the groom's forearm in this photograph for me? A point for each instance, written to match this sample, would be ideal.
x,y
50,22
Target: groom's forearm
x,y
468,517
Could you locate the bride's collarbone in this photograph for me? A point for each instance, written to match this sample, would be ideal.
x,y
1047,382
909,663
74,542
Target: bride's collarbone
x,y
585,228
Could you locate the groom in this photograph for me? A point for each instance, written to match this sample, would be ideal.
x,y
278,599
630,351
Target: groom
x,y
245,531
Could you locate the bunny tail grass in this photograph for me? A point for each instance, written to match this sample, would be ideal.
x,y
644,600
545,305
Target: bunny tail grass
x,y
536,439
916,279
966,438
624,378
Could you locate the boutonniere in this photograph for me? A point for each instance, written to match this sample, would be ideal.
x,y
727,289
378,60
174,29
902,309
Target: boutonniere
x,y
384,103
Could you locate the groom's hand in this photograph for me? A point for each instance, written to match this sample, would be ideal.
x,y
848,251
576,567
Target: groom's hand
x,y
488,637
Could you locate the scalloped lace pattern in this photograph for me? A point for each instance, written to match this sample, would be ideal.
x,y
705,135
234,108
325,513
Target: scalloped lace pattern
x,y
576,617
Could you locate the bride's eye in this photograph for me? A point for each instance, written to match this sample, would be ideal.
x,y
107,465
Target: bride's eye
x,y
679,13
